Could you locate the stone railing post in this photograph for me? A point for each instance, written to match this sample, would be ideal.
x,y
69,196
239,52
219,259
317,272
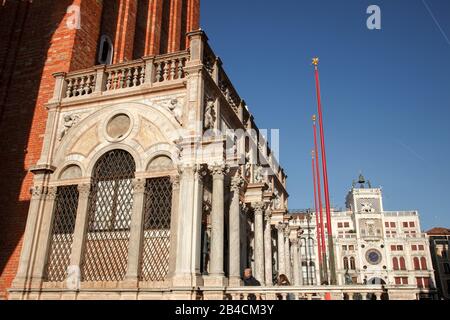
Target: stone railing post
x,y
100,79
60,87
136,233
149,70
197,41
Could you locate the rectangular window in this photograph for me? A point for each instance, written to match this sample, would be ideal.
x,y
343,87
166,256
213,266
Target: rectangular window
x,y
393,248
386,224
421,247
340,225
398,281
419,283
393,225
399,248
404,280
414,247
344,248
412,224
346,225
351,248
405,224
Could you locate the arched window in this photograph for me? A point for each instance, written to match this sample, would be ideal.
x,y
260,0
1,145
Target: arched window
x,y
346,266
423,263
395,263
402,264
416,264
105,51
109,218
352,263
303,247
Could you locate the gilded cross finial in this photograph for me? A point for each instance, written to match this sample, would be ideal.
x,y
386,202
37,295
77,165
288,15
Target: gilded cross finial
x,y
314,118
315,61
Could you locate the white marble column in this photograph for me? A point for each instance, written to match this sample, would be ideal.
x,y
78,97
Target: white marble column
x,y
235,236
268,248
216,277
44,239
136,233
287,253
174,220
280,250
79,235
23,273
259,241
296,266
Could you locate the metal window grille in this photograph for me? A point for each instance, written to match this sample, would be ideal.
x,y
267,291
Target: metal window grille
x,y
157,219
63,226
110,207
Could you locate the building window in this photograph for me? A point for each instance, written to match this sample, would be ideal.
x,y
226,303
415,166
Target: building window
x,y
395,263
412,225
401,281
63,226
109,218
346,265
352,263
344,248
393,225
405,224
414,247
386,224
351,248
416,263
402,264
422,248
157,219
393,248
346,225
423,263
106,50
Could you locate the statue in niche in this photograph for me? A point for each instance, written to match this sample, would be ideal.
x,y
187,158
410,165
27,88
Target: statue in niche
x,y
210,115
69,122
259,175
348,278
248,166
176,110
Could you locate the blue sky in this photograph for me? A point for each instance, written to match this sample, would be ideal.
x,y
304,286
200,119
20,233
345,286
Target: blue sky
x,y
386,93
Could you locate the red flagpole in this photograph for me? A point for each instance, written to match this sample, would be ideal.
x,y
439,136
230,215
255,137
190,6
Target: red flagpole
x,y
318,226
325,174
319,197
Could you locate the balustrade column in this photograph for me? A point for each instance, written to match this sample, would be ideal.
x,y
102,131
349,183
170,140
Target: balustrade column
x,y
79,235
259,241
235,236
136,232
287,253
281,254
296,258
268,248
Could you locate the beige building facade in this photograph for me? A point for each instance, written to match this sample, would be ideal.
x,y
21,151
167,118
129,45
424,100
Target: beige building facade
x,y
372,246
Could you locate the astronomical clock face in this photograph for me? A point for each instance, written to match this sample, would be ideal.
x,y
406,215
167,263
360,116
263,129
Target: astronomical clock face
x,y
373,257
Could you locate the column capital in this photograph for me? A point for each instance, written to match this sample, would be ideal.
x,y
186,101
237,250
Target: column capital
x,y
175,180
280,227
200,171
295,241
84,190
37,192
237,183
139,185
219,171
259,207
51,193
268,215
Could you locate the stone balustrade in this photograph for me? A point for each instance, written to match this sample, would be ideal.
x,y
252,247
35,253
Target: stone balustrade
x,y
148,71
321,293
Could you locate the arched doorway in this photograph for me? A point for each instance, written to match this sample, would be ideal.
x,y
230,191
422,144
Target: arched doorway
x,y
376,281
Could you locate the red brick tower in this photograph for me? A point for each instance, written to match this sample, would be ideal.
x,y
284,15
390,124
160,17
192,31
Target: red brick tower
x,y
39,38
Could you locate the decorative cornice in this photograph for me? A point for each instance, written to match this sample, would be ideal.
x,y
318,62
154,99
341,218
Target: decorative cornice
x,y
51,193
259,207
219,171
237,183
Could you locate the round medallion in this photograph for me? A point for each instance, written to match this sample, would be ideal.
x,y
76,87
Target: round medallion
x,y
373,257
118,126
